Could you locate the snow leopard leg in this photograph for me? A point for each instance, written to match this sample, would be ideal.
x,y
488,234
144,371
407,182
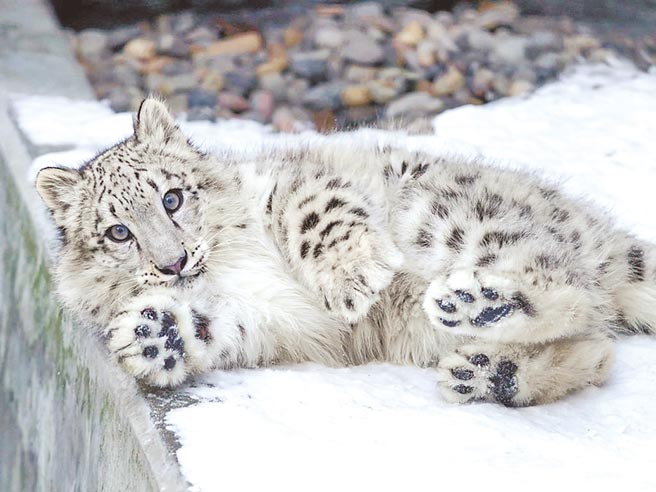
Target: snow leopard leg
x,y
628,272
162,338
521,375
334,240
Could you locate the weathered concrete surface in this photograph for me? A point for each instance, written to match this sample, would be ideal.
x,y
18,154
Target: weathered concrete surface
x,y
69,419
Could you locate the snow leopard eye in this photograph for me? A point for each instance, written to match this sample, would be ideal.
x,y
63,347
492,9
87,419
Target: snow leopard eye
x,y
172,200
118,233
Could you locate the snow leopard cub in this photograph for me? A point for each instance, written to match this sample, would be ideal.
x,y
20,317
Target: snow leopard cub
x,y
342,254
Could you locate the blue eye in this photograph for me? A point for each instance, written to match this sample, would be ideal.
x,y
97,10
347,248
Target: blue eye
x,y
172,200
118,233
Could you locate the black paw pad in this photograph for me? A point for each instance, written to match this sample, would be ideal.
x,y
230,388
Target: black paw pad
x,y
465,296
504,382
149,313
462,374
446,306
491,315
463,389
169,363
480,360
142,331
150,352
449,323
490,294
168,320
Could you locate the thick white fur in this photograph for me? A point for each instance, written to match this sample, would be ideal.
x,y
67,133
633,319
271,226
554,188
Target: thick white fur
x,y
397,241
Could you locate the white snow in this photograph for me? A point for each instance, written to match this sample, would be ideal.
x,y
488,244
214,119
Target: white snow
x,y
382,427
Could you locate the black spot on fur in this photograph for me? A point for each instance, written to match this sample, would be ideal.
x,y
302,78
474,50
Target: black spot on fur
x,y
305,247
521,302
334,183
501,238
310,222
486,260
152,184
424,239
201,326
488,207
456,239
559,215
466,180
636,259
348,302
334,202
329,228
306,200
318,250
440,210
360,212
419,170
547,262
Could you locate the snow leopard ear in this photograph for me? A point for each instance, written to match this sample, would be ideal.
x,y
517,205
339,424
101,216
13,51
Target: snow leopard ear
x,y
154,123
57,187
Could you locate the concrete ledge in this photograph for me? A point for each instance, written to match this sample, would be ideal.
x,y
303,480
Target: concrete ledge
x,y
70,419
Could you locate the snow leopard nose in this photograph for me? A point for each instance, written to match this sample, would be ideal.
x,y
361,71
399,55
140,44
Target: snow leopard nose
x,y
176,268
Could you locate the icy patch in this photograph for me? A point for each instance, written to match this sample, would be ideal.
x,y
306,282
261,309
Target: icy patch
x,y
383,427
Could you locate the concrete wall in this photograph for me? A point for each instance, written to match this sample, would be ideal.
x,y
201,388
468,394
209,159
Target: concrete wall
x,y
69,419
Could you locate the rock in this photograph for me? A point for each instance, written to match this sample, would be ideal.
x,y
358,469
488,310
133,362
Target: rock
x,y
413,105
542,41
324,96
366,11
382,92
520,88
234,102
296,89
240,81
292,36
411,34
183,22
200,113
273,65
119,100
360,48
500,14
426,51
581,43
275,84
247,42
356,95
509,50
286,120
177,103
501,84
359,73
126,75
356,116
178,67
169,85
156,64
213,81
118,37
329,37
168,44
448,83
92,44
140,48
482,82
263,104
479,40
201,97
311,65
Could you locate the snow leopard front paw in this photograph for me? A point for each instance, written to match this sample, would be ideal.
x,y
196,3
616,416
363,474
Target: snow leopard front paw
x,y
469,374
473,303
159,340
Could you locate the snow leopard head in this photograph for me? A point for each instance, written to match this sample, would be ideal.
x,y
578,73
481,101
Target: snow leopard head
x,y
134,216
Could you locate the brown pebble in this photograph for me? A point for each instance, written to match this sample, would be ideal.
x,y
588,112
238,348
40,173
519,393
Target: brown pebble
x,y
140,48
247,42
356,95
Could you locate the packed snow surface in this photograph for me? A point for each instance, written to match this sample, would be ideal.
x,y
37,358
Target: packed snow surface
x,y
383,427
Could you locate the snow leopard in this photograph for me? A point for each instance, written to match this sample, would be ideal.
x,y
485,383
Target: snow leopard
x,y
340,252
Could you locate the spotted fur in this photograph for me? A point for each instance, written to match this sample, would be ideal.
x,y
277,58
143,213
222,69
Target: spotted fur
x,y
344,253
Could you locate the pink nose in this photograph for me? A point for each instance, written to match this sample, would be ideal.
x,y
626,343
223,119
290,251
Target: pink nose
x,y
176,268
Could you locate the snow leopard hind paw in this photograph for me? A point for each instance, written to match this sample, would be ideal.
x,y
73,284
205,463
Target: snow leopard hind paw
x,y
471,375
159,341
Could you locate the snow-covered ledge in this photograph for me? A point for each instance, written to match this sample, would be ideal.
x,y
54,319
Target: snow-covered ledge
x,y
69,419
